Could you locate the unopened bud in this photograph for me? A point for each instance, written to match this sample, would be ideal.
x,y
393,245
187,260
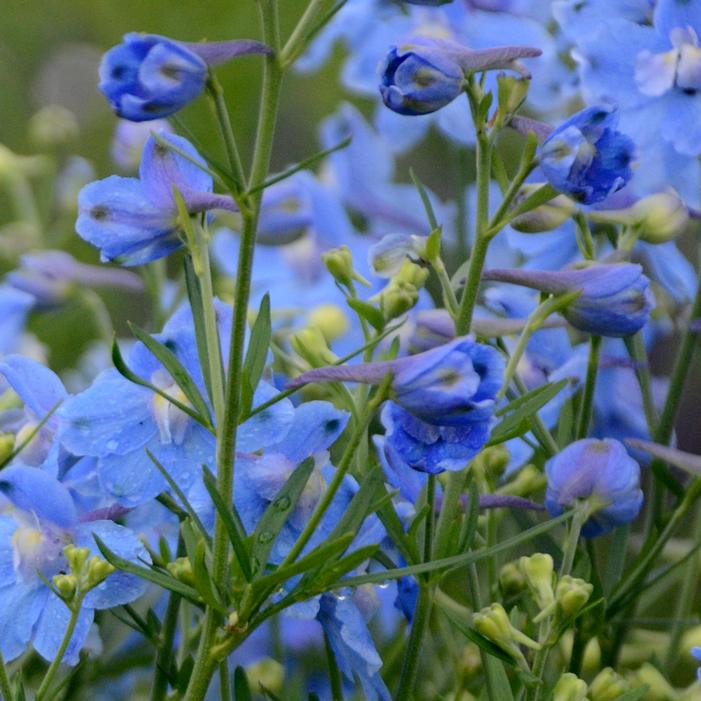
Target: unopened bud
x,y
412,274
53,125
330,319
493,622
529,480
311,345
546,217
512,581
339,262
511,93
538,570
471,661
570,687
181,569
267,673
397,299
66,584
492,462
659,689
608,685
98,571
572,594
77,557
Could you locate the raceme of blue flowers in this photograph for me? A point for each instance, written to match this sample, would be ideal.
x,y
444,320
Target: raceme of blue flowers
x,y
380,423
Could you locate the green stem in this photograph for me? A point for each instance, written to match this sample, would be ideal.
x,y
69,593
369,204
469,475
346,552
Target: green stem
x,y
473,584
584,238
65,642
224,681
5,687
430,517
334,672
164,658
636,350
580,517
297,41
410,666
587,407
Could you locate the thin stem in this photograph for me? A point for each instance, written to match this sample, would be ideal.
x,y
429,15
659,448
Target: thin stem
x,y
224,681
295,44
5,687
570,548
334,673
584,238
587,406
164,658
473,584
636,349
65,642
410,667
430,517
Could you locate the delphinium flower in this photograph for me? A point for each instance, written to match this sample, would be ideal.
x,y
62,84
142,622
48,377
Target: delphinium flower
x,y
442,402
129,139
116,421
586,158
150,76
614,298
14,307
600,471
422,75
135,220
38,519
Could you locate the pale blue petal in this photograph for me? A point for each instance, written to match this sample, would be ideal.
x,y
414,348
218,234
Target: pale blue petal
x,y
268,426
673,14
52,626
21,606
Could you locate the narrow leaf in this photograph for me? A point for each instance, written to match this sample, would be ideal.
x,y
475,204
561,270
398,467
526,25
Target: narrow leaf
x,y
365,310
258,344
242,691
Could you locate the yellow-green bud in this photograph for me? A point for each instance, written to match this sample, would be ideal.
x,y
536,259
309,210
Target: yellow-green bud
x,y
538,570
511,92
97,571
7,445
181,569
570,687
412,274
339,262
311,345
512,581
492,461
266,672
232,620
659,688
608,685
397,299
471,661
330,319
77,557
529,480
493,622
572,594
67,585
53,125
544,218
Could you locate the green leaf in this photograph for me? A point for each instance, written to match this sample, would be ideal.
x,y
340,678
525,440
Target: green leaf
x,y
518,412
257,352
125,372
154,576
276,515
428,207
175,368
469,524
360,506
242,691
366,311
331,575
455,561
232,523
267,693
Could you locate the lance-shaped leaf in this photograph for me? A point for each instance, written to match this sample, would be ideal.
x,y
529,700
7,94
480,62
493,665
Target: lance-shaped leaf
x,y
684,461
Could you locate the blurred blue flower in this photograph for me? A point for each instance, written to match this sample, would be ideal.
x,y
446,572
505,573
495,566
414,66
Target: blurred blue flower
x,y
696,652
135,220
598,470
38,518
586,158
150,76
14,307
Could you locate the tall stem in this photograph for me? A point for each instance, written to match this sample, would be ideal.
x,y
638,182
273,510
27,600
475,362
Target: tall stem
x,y
164,658
587,407
410,667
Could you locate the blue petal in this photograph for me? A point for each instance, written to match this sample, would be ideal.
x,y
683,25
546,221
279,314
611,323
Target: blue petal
x,y
268,426
673,14
21,606
52,626
7,570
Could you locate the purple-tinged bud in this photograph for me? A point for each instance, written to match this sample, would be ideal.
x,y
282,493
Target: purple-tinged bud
x,y
150,76
601,472
423,75
586,158
614,298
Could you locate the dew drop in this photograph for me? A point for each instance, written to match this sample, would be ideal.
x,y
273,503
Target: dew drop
x,y
111,445
282,503
265,537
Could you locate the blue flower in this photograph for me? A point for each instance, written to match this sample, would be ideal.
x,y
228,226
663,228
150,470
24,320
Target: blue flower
x,y
38,518
586,158
14,307
151,76
696,652
598,470
423,75
116,421
135,220
614,298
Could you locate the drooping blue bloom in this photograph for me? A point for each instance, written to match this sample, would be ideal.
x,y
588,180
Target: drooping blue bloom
x,y
38,518
14,307
134,220
116,421
600,470
614,298
586,158
423,75
150,76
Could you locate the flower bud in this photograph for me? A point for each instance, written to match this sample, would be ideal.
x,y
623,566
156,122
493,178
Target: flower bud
x,y
66,584
600,472
511,93
388,255
339,262
181,569
586,158
659,689
608,685
7,445
470,661
76,557
492,462
493,622
397,299
512,581
311,345
538,570
571,595
411,274
53,125
267,673
546,217
98,570
330,319
570,687
528,480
